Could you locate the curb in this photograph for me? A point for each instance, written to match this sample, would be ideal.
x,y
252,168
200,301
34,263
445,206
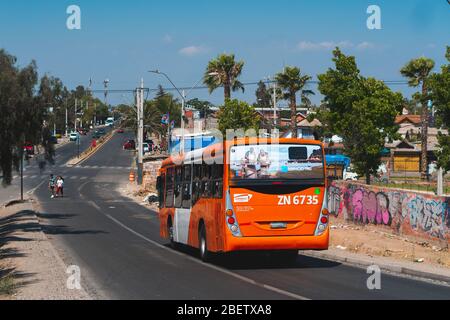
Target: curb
x,y
364,263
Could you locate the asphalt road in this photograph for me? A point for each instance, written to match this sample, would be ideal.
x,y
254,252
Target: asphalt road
x,y
33,176
116,244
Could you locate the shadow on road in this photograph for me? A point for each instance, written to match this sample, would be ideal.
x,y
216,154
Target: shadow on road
x,y
251,260
58,229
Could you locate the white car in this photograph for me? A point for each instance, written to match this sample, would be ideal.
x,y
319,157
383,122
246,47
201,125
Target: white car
x,y
146,147
350,176
73,136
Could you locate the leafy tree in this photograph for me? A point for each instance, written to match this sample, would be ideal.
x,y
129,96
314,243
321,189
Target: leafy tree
x,y
235,114
203,106
440,95
224,71
291,80
360,110
306,102
263,97
418,73
22,113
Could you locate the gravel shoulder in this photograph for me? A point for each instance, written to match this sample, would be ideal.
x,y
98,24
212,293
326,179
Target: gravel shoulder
x,y
27,256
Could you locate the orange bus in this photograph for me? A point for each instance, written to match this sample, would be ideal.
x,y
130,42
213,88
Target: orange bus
x,y
246,195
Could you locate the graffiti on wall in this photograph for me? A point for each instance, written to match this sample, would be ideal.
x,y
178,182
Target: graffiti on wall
x,y
400,210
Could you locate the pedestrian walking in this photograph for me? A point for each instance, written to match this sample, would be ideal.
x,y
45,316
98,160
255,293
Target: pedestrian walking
x,y
52,185
60,186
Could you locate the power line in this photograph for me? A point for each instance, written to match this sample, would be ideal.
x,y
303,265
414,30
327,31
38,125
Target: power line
x,y
148,90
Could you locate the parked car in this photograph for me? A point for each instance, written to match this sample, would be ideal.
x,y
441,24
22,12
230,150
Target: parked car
x,y
101,131
145,147
28,147
350,176
53,139
129,145
73,136
120,130
150,143
82,131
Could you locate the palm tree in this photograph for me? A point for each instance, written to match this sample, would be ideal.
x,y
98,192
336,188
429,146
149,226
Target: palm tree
x,y
224,71
291,81
418,72
306,101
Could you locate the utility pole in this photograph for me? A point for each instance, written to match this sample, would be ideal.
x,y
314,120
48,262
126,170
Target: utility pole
x,y
183,99
76,102
81,118
95,115
140,115
274,105
66,119
21,174
440,182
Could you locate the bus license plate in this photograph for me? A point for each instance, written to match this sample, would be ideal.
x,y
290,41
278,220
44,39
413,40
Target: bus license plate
x,y
278,225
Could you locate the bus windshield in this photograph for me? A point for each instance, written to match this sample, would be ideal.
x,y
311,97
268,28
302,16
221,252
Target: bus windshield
x,y
276,162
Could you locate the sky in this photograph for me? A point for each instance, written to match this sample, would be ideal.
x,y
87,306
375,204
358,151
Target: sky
x,y
122,40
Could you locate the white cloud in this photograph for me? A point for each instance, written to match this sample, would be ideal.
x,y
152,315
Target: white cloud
x,y
324,45
330,45
365,45
193,50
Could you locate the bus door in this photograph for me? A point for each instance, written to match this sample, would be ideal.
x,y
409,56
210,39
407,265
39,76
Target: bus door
x,y
183,203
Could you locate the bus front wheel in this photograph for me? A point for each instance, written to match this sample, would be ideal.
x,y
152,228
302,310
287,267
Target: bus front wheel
x,y
205,255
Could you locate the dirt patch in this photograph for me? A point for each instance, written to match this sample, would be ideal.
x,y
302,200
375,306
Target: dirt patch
x,y
378,241
138,194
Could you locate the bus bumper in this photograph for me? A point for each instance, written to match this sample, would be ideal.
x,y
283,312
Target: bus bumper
x,y
278,243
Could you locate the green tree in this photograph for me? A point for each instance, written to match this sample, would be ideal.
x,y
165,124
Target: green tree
x,y
306,101
235,114
224,71
22,113
263,97
440,95
203,106
291,81
360,110
418,73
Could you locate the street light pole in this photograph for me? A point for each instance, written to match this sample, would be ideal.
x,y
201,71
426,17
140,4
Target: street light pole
x,y
140,117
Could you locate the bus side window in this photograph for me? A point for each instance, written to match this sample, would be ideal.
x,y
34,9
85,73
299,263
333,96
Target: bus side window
x,y
218,181
196,184
160,185
206,180
178,186
187,186
169,187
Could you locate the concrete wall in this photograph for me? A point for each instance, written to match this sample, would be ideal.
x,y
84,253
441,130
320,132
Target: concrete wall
x,y
407,212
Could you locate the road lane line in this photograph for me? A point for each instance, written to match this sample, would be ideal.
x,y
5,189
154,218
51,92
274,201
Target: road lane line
x,y
227,272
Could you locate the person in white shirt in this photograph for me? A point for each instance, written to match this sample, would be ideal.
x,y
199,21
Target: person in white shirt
x,y
60,186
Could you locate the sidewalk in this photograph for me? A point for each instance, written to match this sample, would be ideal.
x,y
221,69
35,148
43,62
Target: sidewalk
x,y
365,245
30,268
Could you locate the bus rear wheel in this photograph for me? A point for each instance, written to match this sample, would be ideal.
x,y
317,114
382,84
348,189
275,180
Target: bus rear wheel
x,y
205,255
